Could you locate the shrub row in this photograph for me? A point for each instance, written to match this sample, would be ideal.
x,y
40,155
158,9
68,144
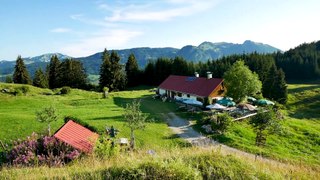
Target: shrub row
x,y
40,150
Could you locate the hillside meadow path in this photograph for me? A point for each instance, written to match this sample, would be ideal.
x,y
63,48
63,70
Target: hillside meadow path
x,y
183,128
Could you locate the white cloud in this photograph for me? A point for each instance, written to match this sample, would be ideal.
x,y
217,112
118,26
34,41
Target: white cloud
x,y
60,30
110,39
151,11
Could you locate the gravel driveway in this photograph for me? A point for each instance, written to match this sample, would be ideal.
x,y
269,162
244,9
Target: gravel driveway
x,y
183,128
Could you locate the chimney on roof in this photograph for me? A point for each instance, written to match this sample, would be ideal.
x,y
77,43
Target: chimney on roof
x,y
209,75
196,74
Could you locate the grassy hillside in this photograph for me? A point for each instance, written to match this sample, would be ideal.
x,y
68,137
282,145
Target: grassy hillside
x,y
17,113
299,143
190,163
300,140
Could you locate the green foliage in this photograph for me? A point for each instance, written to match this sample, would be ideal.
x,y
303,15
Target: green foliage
x,y
105,92
106,148
274,86
112,74
264,123
21,75
71,73
53,72
134,119
9,79
79,121
65,90
132,71
47,115
221,122
302,62
40,79
240,82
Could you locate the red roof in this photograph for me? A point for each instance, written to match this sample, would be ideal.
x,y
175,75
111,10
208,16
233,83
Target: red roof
x,y
77,136
198,86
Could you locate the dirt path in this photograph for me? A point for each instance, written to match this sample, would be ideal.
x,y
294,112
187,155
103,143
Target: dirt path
x,y
183,128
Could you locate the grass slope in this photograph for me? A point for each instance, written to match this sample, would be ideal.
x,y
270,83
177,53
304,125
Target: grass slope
x,y
300,140
17,113
190,163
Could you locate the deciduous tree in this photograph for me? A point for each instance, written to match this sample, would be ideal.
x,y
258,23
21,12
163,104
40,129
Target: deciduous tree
x,y
47,115
264,123
240,81
135,119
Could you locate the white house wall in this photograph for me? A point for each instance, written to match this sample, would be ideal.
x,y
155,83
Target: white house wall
x,y
162,91
184,96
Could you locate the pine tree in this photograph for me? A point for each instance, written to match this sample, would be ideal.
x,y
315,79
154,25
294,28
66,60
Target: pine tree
x,y
282,92
180,66
118,78
268,87
21,75
40,79
274,86
112,74
53,70
149,74
132,71
72,74
105,70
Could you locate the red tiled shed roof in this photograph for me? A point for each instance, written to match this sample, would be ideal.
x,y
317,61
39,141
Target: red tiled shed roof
x,y
191,85
77,136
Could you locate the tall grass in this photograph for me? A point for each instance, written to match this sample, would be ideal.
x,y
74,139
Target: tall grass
x,y
191,163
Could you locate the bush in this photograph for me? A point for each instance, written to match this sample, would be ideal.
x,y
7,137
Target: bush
x,y
105,148
221,122
145,170
44,150
65,90
79,121
21,90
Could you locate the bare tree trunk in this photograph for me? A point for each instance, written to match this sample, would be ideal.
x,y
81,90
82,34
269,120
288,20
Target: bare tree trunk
x,y
132,143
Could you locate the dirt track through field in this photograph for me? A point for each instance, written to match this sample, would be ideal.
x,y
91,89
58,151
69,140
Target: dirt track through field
x,y
183,128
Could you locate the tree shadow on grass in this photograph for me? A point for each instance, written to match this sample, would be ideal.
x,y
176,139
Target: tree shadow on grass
x,y
307,108
115,118
221,138
302,89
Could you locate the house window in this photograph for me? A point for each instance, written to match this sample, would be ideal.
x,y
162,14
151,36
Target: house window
x,y
188,95
179,94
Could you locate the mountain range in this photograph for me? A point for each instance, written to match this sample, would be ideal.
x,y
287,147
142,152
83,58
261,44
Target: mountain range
x,y
205,51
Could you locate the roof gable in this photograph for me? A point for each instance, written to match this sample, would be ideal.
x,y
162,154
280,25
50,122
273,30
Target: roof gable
x,y
77,136
191,85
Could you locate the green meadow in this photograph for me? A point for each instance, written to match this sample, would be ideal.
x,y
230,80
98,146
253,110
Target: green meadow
x,y
18,119
298,146
299,141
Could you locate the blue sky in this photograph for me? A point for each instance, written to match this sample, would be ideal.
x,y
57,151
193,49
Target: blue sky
x,y
84,27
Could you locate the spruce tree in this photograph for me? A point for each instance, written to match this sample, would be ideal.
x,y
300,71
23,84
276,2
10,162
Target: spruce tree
x,y
21,75
105,70
53,71
112,74
118,78
274,86
40,79
72,74
132,71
